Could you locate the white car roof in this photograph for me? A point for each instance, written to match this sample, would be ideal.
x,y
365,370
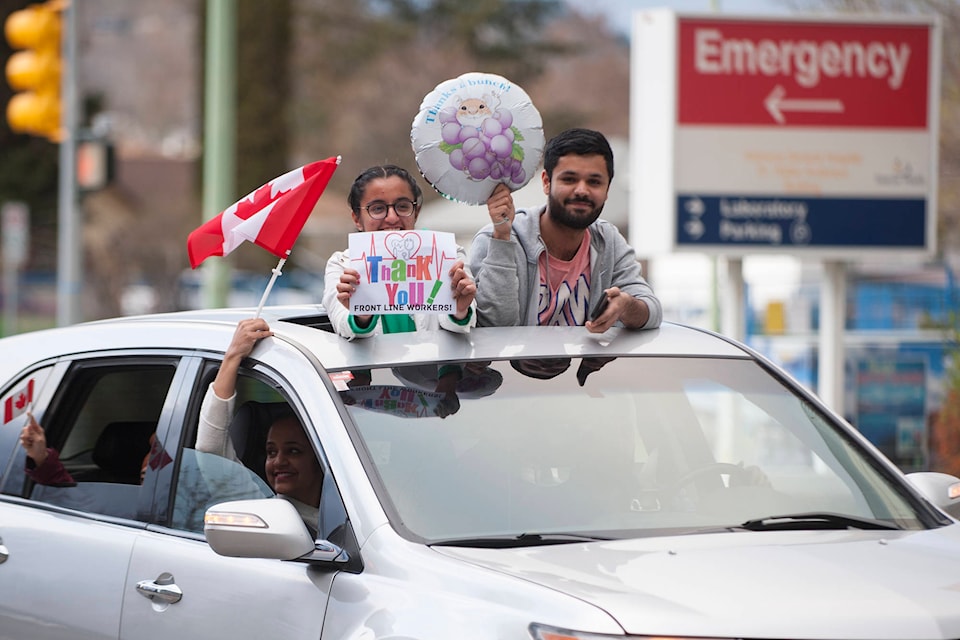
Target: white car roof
x,y
304,325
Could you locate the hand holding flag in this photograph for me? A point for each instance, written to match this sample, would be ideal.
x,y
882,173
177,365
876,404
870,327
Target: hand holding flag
x,y
271,217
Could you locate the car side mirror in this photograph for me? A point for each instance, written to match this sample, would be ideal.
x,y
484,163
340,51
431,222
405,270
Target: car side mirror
x,y
265,528
942,489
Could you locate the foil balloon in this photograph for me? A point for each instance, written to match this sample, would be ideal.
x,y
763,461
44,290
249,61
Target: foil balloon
x,y
474,132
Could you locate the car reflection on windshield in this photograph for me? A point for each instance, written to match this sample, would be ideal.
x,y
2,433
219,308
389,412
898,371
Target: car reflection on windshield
x,y
547,368
427,390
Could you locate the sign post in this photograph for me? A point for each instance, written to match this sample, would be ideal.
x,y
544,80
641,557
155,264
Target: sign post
x,y
15,225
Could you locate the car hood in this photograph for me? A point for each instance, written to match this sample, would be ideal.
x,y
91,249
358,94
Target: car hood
x,y
806,584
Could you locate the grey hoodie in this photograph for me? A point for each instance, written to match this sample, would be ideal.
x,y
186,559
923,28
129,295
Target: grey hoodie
x,y
502,267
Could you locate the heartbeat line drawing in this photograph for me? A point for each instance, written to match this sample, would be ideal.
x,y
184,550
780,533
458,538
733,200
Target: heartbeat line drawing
x,y
403,248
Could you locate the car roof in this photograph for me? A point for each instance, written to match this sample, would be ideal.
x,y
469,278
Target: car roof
x,y
308,327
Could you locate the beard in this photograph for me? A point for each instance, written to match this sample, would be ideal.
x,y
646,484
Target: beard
x,y
561,215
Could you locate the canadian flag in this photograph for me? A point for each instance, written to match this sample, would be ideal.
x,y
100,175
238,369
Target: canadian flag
x,y
270,217
18,401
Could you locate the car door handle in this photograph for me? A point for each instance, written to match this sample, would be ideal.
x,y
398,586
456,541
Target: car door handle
x,y
4,552
162,589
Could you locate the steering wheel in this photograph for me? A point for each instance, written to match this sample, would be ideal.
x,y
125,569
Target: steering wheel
x,y
735,471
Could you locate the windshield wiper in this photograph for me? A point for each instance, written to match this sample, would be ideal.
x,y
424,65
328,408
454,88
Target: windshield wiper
x,y
816,520
522,540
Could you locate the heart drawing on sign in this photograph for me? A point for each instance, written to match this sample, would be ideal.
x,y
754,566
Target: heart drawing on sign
x,y
403,245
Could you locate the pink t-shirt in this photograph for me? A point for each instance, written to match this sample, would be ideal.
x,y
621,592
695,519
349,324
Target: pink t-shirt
x,y
565,298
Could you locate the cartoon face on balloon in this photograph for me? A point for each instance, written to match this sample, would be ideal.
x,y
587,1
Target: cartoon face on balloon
x,y
474,132
473,111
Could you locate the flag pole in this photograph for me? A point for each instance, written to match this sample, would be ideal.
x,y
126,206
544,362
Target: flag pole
x,y
277,272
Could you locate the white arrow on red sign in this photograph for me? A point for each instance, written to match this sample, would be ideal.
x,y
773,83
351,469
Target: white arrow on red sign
x,y
777,102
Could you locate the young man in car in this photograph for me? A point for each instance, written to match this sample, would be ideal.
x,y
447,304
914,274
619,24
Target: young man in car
x,y
567,266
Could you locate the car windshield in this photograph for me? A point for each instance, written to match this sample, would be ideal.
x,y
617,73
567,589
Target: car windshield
x,y
609,448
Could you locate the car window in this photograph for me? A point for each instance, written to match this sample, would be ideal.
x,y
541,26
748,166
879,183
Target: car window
x,y
235,469
28,393
100,421
205,479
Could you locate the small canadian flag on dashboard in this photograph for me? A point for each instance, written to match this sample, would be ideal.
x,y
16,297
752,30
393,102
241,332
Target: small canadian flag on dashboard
x,y
17,402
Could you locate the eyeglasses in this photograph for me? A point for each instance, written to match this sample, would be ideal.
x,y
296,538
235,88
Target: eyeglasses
x,y
378,208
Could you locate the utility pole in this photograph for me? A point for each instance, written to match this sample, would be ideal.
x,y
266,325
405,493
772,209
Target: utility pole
x,y
219,134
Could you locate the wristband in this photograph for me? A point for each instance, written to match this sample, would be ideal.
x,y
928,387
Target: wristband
x,y
505,219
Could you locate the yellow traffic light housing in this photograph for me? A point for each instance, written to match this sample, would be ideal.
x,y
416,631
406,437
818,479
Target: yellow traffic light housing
x,y
34,70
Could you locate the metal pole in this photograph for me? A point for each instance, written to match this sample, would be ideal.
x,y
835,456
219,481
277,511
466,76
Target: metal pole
x,y
716,323
219,134
833,306
15,230
11,298
733,320
69,249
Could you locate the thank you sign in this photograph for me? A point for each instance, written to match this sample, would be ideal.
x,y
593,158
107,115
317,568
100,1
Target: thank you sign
x,y
402,272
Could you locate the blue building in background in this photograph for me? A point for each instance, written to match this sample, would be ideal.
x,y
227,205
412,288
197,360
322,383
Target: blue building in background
x,y
899,340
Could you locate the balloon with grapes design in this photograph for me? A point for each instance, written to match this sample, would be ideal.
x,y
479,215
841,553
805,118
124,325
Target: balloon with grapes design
x,y
490,150
475,132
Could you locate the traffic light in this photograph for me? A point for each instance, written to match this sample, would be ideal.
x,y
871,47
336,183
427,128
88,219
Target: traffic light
x,y
34,70
95,162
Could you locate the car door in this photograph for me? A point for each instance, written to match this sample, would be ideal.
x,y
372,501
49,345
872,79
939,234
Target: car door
x,y
178,587
63,577
64,550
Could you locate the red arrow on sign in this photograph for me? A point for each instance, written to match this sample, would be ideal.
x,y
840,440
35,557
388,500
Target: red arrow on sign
x,y
776,103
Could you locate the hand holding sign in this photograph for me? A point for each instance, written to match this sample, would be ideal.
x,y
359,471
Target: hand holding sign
x,y
405,272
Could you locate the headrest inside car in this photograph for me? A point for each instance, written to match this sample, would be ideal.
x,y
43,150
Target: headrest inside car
x,y
121,447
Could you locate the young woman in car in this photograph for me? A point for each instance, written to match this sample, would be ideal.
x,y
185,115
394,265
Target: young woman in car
x,y
385,198
291,467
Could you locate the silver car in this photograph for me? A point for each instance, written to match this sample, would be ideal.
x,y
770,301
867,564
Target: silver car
x,y
565,485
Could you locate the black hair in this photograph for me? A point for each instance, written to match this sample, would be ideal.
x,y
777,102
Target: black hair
x,y
379,172
581,142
